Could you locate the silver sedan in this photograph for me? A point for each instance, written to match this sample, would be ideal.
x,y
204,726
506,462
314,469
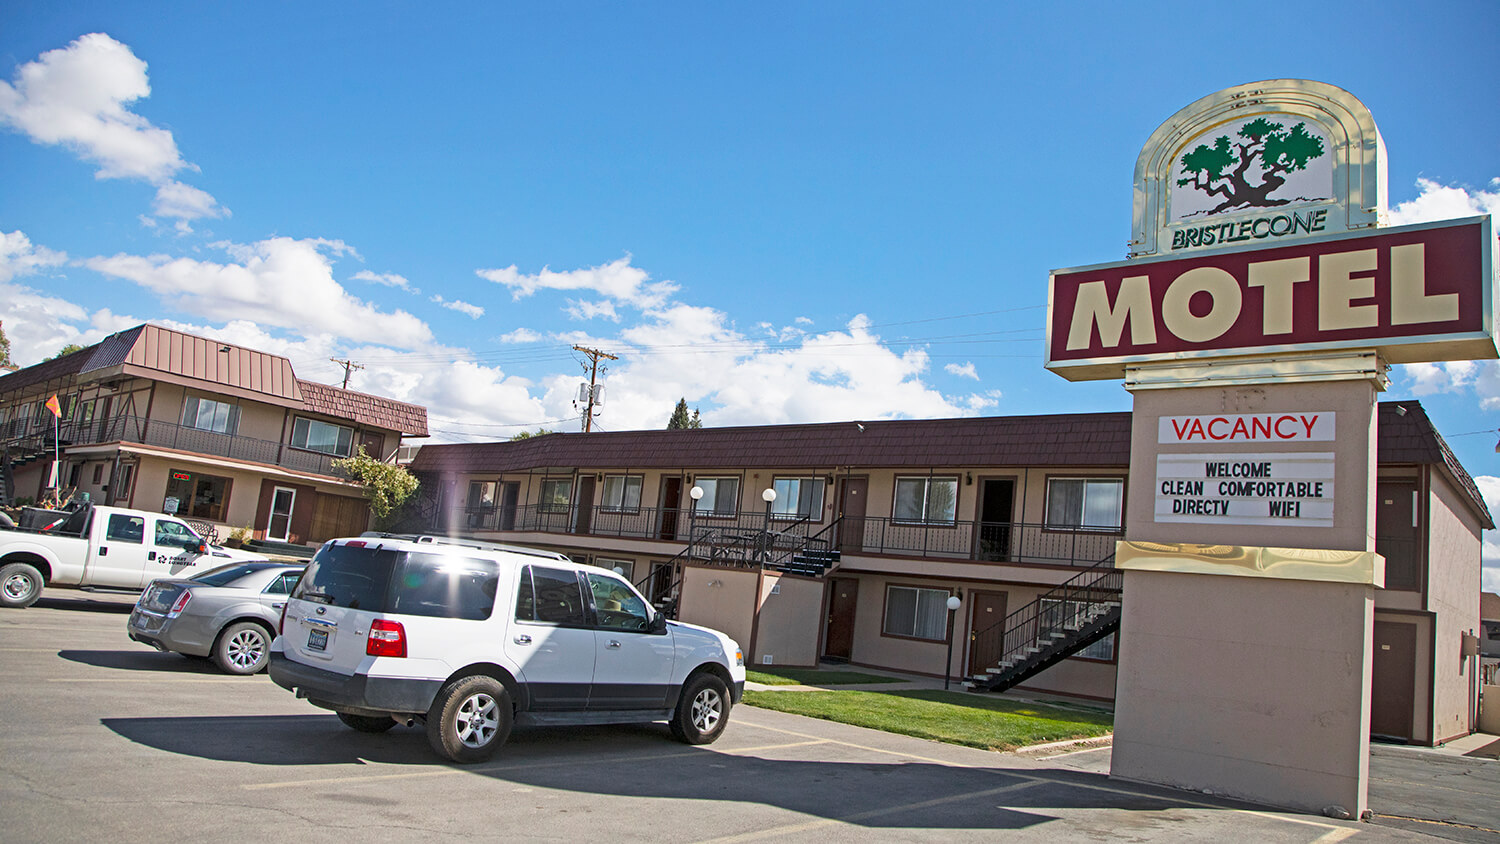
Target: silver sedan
x,y
229,613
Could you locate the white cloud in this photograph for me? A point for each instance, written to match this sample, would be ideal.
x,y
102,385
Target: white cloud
x,y
802,320
386,280
617,280
1441,202
19,257
588,310
472,311
520,335
965,371
280,282
174,199
79,97
1489,487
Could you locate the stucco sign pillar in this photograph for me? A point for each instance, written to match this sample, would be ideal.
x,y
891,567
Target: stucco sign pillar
x,y
1254,321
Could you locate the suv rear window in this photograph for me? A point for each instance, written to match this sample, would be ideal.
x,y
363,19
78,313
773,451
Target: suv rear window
x,y
389,581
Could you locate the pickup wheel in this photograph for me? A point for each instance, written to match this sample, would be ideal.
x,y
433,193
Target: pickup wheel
x,y
470,719
20,585
702,710
243,648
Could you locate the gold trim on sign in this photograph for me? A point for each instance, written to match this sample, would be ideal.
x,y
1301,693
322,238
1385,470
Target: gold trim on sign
x,y
1323,564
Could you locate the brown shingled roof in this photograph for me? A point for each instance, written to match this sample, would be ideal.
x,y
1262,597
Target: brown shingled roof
x,y
1408,436
1080,439
1489,606
381,412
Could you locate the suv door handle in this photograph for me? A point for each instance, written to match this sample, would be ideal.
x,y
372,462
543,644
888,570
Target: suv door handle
x,y
523,639
613,643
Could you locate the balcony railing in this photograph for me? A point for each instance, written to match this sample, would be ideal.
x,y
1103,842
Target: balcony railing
x,y
139,429
996,542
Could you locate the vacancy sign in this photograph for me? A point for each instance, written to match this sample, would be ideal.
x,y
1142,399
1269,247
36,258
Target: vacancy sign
x,y
1247,428
1246,489
1414,293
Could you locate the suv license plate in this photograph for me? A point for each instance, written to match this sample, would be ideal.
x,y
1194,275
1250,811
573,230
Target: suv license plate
x,y
317,640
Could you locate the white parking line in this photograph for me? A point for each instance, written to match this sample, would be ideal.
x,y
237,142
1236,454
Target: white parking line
x,y
864,816
1033,777
153,680
528,766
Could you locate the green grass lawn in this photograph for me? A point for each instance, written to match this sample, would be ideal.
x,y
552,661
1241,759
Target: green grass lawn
x,y
991,723
812,677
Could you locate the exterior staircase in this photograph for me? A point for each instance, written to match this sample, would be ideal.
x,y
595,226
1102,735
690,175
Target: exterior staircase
x,y
1055,626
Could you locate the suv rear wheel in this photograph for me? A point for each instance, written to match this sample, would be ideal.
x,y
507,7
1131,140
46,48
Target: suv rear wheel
x,y
470,719
702,710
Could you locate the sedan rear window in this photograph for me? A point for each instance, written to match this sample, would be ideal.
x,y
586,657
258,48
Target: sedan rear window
x,y
388,581
225,575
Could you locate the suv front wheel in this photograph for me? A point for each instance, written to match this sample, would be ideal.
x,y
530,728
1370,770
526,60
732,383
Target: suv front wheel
x,y
702,710
470,719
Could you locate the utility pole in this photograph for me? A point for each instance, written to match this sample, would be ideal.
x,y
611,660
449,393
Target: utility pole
x,y
348,365
594,356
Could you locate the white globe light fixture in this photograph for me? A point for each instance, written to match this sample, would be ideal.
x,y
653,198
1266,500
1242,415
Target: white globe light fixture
x,y
768,495
696,493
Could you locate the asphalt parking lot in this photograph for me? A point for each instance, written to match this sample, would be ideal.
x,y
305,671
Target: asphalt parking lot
x,y
105,738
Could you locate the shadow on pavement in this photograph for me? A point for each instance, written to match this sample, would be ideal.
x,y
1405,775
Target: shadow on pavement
x,y
143,660
118,605
642,761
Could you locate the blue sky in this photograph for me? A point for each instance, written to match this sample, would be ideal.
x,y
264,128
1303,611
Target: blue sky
x,y
784,213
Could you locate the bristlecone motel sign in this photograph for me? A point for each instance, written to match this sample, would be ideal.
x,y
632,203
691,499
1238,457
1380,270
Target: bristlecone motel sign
x,y
1258,232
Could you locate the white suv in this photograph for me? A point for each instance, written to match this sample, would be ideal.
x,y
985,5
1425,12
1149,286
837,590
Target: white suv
x,y
471,637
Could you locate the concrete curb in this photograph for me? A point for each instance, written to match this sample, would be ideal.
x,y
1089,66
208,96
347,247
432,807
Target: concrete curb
x,y
1067,746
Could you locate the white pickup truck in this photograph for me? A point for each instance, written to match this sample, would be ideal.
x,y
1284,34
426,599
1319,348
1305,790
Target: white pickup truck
x,y
108,547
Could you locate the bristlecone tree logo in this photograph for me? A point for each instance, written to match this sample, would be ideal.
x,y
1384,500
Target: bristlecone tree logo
x,y
1259,163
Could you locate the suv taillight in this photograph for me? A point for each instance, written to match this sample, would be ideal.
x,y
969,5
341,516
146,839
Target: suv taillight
x,y
387,638
182,602
281,625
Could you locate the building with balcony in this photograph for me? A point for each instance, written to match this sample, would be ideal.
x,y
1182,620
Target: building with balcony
x,y
844,542
221,435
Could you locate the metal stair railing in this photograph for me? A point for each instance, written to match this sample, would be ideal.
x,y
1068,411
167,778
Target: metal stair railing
x,y
1057,623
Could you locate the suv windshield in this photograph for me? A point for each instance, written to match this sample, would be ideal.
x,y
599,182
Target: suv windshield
x,y
390,581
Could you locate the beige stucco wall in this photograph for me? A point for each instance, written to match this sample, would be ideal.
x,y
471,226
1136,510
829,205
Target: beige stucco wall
x,y
723,599
788,625
1453,584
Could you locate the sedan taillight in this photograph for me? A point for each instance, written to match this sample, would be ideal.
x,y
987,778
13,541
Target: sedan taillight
x,y
387,638
182,602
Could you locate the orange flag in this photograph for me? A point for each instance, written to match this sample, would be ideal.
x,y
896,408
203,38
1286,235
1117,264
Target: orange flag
x,y
53,406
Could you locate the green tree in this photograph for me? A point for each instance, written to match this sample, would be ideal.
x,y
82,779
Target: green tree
x,y
680,419
526,435
65,350
4,348
1224,169
387,486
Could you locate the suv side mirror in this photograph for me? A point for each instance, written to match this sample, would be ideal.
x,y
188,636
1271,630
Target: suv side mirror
x,y
658,624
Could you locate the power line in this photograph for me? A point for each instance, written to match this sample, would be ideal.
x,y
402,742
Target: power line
x,y
593,397
348,365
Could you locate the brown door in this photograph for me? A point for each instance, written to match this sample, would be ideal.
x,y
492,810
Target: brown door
x,y
839,642
373,443
852,496
1397,534
1394,675
987,639
671,494
584,517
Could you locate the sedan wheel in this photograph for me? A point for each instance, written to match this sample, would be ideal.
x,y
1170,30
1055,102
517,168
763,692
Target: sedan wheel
x,y
243,648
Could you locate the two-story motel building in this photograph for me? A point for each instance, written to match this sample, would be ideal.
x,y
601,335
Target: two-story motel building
x,y
998,511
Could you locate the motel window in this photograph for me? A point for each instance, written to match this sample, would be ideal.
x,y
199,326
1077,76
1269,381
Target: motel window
x,y
622,493
721,496
1064,617
626,567
482,495
210,415
199,496
798,498
916,613
927,500
557,493
85,412
1087,503
313,435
